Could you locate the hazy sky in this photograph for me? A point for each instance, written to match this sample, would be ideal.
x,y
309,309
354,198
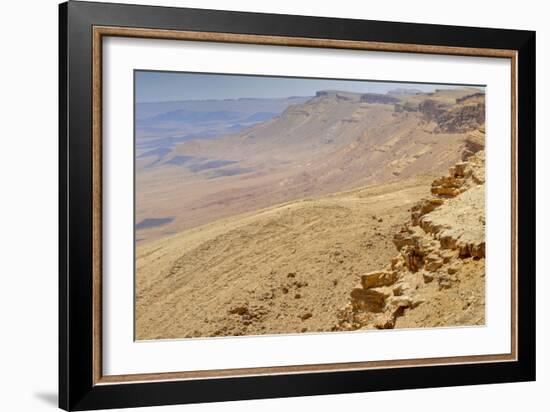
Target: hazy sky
x,y
168,86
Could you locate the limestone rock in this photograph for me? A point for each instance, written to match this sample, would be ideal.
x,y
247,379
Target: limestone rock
x,y
428,277
401,288
306,316
423,207
451,270
458,170
447,255
433,262
401,301
368,299
445,282
377,279
412,259
443,231
445,191
397,263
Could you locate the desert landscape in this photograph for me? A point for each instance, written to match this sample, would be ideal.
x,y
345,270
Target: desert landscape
x,y
336,211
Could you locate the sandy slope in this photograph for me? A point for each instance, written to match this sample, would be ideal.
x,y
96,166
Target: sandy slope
x,y
330,143
285,269
437,277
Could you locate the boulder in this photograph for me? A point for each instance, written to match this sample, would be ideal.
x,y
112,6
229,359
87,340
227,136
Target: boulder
x,y
403,288
378,279
445,191
451,270
401,301
368,300
459,169
433,262
428,277
423,207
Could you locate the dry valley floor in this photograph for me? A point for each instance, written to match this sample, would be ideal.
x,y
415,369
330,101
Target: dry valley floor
x,y
285,269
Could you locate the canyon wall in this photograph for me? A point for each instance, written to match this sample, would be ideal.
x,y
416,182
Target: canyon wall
x,y
437,276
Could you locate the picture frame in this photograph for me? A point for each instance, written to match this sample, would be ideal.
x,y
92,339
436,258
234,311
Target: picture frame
x,y
83,385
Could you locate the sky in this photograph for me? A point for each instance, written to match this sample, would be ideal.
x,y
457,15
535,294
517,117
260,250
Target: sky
x,y
155,86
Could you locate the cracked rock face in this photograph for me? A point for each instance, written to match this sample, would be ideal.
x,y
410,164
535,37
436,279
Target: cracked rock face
x,y
437,277
460,223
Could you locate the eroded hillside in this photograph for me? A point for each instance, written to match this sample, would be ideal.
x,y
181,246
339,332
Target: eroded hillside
x,y
334,141
285,269
269,230
290,268
438,276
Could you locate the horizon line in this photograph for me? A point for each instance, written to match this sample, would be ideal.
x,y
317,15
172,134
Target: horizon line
x,y
449,87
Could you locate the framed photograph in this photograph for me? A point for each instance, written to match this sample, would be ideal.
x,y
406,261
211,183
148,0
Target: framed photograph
x,y
256,205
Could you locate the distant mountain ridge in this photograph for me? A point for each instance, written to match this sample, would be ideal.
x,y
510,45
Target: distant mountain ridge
x,y
248,105
333,141
183,115
166,123
266,228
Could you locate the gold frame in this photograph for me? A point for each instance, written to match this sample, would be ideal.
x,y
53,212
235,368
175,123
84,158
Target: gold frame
x,y
101,31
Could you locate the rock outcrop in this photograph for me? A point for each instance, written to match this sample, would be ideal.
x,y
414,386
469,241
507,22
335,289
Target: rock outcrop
x,y
379,98
442,245
462,118
464,114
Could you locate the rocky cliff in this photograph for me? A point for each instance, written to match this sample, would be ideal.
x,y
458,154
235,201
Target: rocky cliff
x,y
337,140
437,276
463,113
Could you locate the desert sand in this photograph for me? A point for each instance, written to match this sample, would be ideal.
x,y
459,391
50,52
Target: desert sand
x,y
377,224
284,269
